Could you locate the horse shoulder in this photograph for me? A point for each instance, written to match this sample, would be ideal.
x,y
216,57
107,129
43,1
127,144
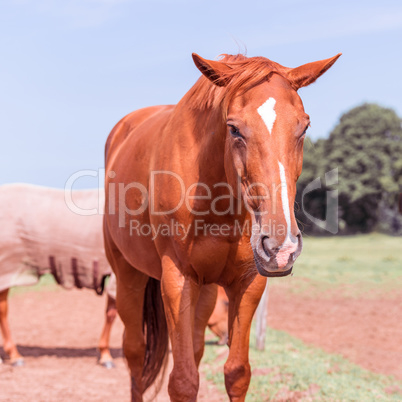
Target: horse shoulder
x,y
129,123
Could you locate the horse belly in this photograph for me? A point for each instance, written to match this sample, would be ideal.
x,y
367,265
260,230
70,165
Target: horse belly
x,y
137,248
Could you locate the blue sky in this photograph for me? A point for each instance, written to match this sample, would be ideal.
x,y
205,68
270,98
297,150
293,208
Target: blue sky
x,y
70,70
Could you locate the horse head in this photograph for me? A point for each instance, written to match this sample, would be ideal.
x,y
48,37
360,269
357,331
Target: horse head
x,y
265,129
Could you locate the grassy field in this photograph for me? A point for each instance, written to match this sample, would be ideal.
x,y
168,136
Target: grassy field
x,y
288,368
373,258
373,262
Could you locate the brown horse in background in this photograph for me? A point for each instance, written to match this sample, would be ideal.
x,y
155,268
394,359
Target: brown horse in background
x,y
218,321
198,194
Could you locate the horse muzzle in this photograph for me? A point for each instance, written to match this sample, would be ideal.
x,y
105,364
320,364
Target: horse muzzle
x,y
272,260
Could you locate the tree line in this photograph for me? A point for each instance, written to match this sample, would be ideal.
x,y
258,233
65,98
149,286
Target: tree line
x,y
353,177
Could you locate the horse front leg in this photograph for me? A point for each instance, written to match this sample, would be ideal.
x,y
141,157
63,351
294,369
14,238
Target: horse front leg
x,y
106,359
243,301
180,296
9,346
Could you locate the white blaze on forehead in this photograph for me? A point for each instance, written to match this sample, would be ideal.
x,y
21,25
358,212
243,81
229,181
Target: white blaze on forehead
x,y
268,114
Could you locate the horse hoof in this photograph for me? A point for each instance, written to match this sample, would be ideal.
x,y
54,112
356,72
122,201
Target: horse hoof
x,y
108,364
18,363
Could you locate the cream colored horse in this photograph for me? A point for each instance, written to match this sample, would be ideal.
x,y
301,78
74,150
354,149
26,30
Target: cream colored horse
x,y
41,234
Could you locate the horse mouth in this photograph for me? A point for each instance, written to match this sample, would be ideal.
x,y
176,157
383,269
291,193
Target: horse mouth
x,y
263,270
271,274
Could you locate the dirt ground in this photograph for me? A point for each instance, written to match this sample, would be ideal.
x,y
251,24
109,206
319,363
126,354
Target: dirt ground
x,y
57,332
365,330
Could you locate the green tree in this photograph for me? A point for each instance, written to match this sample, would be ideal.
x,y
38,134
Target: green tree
x,y
366,147
314,202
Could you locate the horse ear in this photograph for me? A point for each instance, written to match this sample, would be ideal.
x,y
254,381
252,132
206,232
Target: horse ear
x,y
213,70
308,73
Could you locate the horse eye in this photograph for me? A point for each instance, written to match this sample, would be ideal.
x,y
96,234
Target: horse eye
x,y
234,131
305,130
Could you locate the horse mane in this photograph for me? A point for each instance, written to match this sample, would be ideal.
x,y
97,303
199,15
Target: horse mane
x,y
244,74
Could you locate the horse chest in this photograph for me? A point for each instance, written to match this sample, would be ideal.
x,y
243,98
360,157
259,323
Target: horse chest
x,y
208,258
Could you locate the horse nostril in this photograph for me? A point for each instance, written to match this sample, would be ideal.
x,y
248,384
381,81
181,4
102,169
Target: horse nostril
x,y
299,240
295,239
298,250
270,246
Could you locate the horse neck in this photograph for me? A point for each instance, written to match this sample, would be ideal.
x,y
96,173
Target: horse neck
x,y
212,132
205,130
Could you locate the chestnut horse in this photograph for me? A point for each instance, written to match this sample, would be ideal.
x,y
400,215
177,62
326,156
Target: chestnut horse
x,y
198,194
